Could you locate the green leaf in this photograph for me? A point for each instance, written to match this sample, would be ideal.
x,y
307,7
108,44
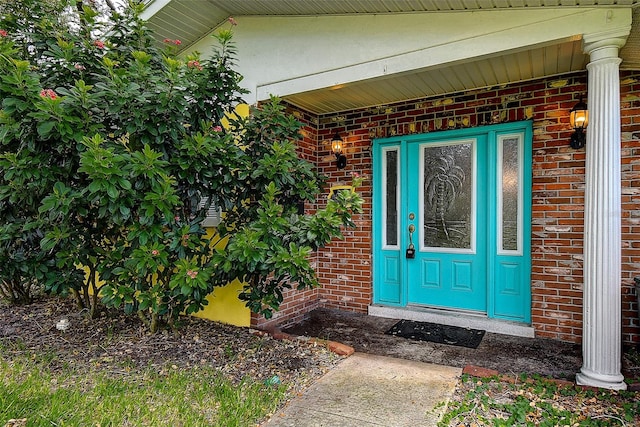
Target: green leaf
x,y
47,243
95,186
44,128
112,191
125,184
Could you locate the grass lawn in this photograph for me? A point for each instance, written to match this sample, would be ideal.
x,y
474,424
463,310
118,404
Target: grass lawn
x,y
34,387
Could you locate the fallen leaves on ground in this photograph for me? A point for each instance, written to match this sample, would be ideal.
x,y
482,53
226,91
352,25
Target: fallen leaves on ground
x,y
534,401
120,344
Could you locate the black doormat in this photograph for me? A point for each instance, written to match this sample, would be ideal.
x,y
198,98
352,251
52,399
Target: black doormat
x,y
424,331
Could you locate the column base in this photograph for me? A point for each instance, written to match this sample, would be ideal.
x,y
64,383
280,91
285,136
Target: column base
x,y
593,379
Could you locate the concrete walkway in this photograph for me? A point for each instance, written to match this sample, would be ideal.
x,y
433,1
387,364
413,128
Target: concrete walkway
x,y
370,390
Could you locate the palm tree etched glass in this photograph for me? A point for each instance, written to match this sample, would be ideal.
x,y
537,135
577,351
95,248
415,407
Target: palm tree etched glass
x,y
448,195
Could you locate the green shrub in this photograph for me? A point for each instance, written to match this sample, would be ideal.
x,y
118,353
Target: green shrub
x,y
112,153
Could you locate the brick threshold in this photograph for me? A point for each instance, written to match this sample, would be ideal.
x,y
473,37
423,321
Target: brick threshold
x,y
333,346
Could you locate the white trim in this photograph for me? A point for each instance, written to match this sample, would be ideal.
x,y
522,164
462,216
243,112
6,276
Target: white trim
x,y
453,318
454,37
153,7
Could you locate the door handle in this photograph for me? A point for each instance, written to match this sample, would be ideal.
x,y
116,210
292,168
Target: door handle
x,y
411,250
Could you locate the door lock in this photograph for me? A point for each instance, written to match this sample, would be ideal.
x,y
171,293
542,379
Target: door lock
x,y
411,250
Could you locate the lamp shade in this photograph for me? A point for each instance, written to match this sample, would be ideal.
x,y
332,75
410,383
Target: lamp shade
x,y
336,144
579,116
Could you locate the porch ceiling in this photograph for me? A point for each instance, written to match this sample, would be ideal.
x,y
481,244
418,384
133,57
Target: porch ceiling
x,y
190,20
511,67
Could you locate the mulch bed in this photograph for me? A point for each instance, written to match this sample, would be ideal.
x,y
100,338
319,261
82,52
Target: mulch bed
x,y
115,342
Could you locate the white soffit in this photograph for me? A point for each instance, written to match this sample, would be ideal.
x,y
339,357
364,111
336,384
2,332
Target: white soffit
x,y
192,20
507,68
429,54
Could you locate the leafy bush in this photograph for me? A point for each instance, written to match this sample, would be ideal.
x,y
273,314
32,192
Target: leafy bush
x,y
68,75
112,152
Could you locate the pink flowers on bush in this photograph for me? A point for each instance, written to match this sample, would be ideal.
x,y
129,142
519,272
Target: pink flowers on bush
x,y
232,21
171,41
155,252
194,64
79,67
48,93
3,33
99,44
217,129
192,273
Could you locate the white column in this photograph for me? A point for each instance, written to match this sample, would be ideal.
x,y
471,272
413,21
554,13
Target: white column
x,y
602,322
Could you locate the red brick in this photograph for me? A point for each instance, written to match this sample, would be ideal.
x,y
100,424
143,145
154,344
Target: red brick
x,y
558,199
479,372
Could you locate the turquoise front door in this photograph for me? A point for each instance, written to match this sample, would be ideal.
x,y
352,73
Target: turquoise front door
x,y
448,214
452,213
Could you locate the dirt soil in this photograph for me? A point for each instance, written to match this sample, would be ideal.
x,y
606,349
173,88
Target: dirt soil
x,y
506,354
116,342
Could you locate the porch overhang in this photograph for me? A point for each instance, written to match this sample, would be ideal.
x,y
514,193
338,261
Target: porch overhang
x,y
340,59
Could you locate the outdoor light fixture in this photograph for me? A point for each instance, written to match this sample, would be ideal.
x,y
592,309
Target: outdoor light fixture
x,y
579,119
336,147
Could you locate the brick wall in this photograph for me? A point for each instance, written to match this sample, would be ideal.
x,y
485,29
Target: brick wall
x,y
630,117
558,211
297,304
344,268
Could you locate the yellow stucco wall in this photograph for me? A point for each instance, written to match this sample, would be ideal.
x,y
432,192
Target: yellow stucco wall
x,y
224,306
242,110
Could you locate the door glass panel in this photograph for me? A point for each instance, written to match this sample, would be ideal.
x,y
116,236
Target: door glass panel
x,y
448,195
509,180
391,197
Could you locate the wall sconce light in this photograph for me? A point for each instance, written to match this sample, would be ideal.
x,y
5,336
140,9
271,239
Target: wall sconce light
x,y
579,119
337,147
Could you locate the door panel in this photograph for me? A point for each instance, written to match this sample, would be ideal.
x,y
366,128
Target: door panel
x,y
510,273
509,291
449,267
389,267
447,194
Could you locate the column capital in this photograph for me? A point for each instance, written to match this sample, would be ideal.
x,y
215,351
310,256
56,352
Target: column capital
x,y
604,45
